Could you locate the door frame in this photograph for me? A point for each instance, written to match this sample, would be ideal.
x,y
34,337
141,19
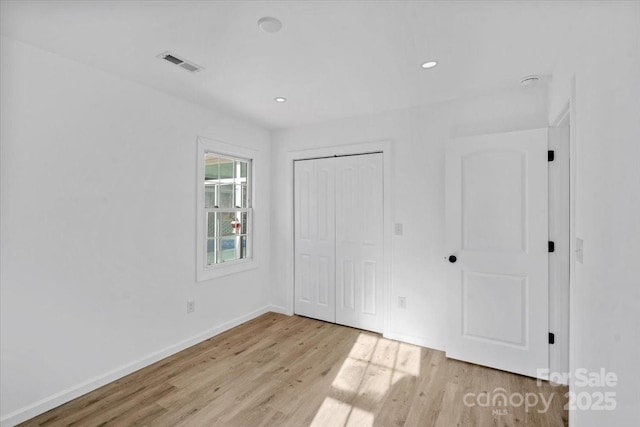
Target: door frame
x,y
383,147
560,356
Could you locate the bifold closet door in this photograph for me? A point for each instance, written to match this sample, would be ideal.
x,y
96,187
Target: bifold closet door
x,y
339,240
314,217
359,241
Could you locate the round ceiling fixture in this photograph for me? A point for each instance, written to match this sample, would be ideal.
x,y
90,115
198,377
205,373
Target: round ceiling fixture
x,y
269,24
280,99
429,64
529,81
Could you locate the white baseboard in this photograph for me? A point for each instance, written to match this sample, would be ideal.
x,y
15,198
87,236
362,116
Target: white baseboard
x,y
71,393
409,339
280,309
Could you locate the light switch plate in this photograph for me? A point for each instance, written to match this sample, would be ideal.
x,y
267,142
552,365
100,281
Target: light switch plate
x,y
579,252
402,302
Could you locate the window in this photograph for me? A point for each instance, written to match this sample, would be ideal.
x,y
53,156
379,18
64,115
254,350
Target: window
x,y
225,212
227,207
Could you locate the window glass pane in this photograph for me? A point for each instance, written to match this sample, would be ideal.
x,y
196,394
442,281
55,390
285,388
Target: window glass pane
x,y
238,172
238,196
225,227
227,249
210,196
220,176
242,250
211,167
226,224
242,226
226,169
211,251
226,196
211,224
227,245
244,197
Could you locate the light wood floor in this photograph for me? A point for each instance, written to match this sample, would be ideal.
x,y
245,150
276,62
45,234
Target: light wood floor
x,y
292,371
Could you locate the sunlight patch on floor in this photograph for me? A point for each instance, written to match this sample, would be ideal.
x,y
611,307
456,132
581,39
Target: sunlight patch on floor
x,y
332,412
365,378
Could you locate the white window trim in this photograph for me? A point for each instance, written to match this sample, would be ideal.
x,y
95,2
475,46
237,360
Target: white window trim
x,y
206,145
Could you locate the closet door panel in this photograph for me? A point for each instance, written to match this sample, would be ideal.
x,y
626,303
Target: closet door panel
x,y
359,241
314,216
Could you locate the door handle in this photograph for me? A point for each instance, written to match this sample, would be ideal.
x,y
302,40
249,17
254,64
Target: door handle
x,y
452,259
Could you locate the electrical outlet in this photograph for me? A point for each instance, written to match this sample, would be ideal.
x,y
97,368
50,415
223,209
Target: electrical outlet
x,y
402,302
397,229
191,306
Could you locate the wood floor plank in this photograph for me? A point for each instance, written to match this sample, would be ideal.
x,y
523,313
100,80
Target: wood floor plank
x,y
282,371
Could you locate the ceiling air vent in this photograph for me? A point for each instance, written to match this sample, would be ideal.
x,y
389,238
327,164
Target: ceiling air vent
x,y
180,62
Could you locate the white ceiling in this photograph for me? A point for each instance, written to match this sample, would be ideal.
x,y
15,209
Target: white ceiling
x,y
331,60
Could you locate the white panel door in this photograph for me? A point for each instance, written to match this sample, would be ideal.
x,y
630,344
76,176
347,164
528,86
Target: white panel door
x,y
314,212
497,230
359,241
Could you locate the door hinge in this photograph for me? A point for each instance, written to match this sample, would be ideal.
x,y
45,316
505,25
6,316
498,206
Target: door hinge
x,y
552,338
551,155
552,247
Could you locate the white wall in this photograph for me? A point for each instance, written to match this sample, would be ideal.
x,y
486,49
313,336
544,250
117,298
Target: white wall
x,y
98,228
98,214
603,59
418,138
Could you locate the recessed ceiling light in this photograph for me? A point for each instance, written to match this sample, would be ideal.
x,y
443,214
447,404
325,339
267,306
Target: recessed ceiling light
x,y
269,24
280,99
429,64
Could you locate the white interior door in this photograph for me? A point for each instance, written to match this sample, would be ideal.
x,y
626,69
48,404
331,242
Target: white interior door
x,y
359,241
314,213
497,228
339,240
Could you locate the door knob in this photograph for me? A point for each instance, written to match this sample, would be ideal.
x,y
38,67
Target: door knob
x,y
452,258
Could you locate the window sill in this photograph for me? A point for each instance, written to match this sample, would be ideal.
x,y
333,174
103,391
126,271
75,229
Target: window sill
x,y
221,270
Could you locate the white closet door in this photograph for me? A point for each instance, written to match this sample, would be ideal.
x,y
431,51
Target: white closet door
x,y
339,240
359,241
315,239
